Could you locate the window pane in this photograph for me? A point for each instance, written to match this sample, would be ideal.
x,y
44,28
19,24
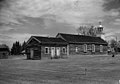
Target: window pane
x,y
46,50
64,50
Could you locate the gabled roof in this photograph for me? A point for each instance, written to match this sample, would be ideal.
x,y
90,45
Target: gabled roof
x,y
72,38
49,40
4,48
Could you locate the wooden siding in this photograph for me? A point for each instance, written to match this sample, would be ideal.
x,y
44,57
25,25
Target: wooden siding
x,y
49,55
80,47
4,54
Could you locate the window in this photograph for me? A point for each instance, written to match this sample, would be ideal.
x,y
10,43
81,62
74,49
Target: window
x,y
85,47
46,50
76,49
93,48
101,48
64,50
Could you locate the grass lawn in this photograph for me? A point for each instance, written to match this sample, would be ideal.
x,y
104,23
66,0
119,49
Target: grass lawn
x,y
72,70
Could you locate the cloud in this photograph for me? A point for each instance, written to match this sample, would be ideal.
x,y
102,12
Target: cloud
x,y
73,12
111,4
27,17
113,13
21,37
116,22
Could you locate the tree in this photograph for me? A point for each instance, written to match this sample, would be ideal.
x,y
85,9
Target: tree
x,y
88,31
23,46
16,48
113,43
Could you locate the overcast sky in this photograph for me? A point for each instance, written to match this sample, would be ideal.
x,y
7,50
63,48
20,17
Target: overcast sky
x,y
19,19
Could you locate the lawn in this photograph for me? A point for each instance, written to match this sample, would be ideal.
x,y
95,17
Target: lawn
x,y
72,70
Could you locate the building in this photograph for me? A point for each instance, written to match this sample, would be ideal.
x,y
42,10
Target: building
x,y
4,51
38,47
81,44
64,45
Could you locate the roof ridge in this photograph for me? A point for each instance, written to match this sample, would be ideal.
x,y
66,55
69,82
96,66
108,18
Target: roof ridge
x,y
78,35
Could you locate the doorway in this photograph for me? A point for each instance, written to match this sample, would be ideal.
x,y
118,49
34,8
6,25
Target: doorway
x,y
52,52
31,53
58,51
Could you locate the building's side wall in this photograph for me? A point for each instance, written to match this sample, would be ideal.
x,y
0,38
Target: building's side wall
x,y
44,55
80,49
36,54
97,49
4,54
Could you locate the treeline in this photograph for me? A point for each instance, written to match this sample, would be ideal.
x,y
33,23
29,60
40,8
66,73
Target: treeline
x,y
17,48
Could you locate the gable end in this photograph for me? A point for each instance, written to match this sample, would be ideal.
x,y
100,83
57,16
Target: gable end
x,y
32,38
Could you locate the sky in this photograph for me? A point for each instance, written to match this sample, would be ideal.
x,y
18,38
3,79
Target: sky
x,y
20,19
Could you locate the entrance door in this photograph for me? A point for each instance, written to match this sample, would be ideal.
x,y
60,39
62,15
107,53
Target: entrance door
x,y
31,53
58,51
52,51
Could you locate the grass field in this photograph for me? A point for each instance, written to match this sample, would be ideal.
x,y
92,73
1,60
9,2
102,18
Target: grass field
x,y
72,70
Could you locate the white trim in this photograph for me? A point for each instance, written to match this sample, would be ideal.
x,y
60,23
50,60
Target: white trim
x,y
37,40
85,47
101,48
76,49
60,36
93,47
32,37
67,49
58,51
52,51
47,51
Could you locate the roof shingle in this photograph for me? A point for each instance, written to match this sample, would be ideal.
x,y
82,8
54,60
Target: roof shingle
x,y
72,38
50,40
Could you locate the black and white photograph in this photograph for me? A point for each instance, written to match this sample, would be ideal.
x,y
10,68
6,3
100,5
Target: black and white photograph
x,y
59,41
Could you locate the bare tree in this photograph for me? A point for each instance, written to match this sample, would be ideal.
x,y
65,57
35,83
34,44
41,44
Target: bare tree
x,y
88,31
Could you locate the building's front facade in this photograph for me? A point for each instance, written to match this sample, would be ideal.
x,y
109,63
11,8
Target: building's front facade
x,y
4,52
45,47
64,45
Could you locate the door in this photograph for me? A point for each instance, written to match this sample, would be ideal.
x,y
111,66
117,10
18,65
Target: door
x,y
52,51
37,54
31,53
58,51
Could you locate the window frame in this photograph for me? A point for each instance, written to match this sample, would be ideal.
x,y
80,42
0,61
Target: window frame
x,y
47,51
93,47
76,49
85,47
101,48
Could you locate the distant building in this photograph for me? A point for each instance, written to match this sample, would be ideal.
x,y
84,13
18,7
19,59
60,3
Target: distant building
x,y
64,45
4,51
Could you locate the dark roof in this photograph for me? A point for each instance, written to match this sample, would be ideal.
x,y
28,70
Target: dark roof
x,y
72,38
4,48
50,40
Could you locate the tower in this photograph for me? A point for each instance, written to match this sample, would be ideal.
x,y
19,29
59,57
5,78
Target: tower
x,y
100,31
